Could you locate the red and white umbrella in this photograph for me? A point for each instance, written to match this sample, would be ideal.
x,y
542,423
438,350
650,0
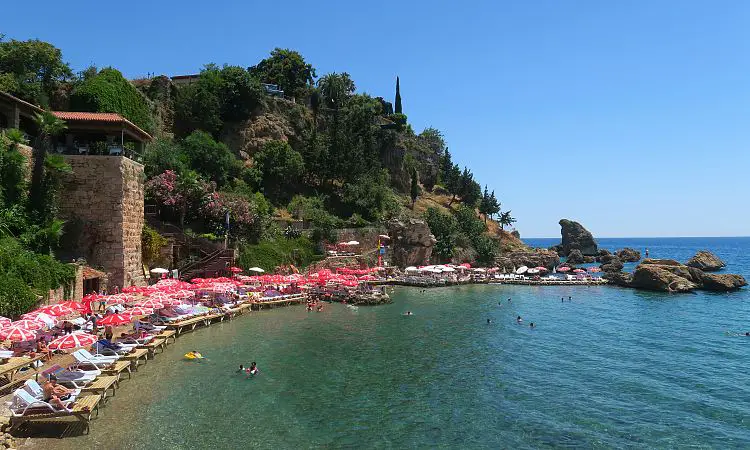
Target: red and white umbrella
x,y
74,340
115,319
80,307
138,311
236,269
57,310
578,271
17,334
27,324
541,268
4,321
152,304
594,269
563,269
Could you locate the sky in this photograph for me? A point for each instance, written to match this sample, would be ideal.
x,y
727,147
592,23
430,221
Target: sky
x,y
629,117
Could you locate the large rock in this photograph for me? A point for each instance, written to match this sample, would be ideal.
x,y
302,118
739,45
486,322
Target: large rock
x,y
614,265
722,282
575,237
706,261
411,242
535,258
575,257
628,254
623,279
657,278
661,262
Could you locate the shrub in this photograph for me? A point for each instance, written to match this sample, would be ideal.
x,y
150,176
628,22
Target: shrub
x,y
271,253
151,244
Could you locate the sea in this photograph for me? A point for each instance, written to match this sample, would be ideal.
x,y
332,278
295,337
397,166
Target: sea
x,y
611,368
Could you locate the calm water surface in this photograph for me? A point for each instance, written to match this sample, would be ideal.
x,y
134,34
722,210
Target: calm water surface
x,y
612,368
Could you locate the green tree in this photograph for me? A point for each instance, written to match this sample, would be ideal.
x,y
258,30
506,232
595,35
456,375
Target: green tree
x,y
109,91
209,158
484,203
49,126
198,105
164,154
280,169
336,89
506,220
435,141
453,182
32,70
444,227
414,191
287,69
240,94
397,108
493,206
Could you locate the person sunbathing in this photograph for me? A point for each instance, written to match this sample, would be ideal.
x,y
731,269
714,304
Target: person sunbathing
x,y
54,393
41,347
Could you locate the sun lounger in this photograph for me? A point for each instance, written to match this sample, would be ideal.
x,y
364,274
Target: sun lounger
x,y
24,403
35,389
98,360
73,376
28,409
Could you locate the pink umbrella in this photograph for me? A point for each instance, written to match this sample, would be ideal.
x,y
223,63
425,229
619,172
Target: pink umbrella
x,y
17,334
4,321
138,311
563,269
594,269
578,271
115,319
74,340
57,310
152,304
541,268
31,325
73,305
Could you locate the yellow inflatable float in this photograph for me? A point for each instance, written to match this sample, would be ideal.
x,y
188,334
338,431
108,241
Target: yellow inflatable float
x,y
193,355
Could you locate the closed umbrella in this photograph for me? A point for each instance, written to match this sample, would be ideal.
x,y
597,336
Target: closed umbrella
x,y
17,334
75,340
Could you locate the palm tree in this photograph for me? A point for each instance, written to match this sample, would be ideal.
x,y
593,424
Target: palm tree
x,y
49,126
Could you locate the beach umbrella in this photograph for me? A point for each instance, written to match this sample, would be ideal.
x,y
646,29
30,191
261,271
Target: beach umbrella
x,y
57,310
256,269
159,270
563,269
138,311
115,319
152,304
4,321
27,324
235,269
522,270
352,243
75,340
73,305
541,268
17,334
578,271
594,269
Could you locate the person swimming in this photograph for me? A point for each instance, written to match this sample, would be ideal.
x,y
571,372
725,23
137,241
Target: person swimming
x,y
509,301
194,355
242,368
570,299
253,369
519,319
408,313
489,321
531,324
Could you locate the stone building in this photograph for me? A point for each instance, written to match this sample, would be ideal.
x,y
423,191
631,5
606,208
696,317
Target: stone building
x,y
102,199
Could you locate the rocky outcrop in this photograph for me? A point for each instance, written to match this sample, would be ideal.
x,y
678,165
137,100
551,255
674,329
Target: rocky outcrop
x,y
575,237
411,242
656,278
628,255
614,265
706,261
661,262
623,279
532,258
589,259
575,257
722,282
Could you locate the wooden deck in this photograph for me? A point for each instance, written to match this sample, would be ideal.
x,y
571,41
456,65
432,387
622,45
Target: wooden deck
x,y
118,368
135,357
101,385
157,343
267,302
83,408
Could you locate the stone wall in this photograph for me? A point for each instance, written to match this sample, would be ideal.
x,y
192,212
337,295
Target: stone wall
x,y
102,202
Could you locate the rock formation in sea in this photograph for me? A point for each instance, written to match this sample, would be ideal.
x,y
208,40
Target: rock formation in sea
x,y
668,275
575,257
575,237
530,258
411,242
628,254
706,261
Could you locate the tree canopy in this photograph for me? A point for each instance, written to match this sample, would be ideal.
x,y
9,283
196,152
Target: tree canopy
x,y
287,69
32,70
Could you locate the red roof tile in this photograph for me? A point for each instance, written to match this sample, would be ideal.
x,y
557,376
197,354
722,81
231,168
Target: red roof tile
x,y
88,116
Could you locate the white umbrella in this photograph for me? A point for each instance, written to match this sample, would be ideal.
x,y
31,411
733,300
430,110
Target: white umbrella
x,y
352,243
159,270
256,269
448,269
384,236
522,270
532,271
411,269
479,270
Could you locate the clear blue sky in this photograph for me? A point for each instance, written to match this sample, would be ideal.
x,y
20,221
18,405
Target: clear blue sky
x,y
631,117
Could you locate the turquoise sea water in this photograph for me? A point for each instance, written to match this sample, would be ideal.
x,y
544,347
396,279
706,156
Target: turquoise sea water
x,y
614,368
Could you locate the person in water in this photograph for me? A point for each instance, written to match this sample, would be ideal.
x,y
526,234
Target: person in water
x,y
531,324
195,354
519,319
408,313
562,299
570,299
253,370
489,321
242,368
509,301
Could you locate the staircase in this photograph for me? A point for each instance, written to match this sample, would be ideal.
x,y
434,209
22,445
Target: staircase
x,y
210,265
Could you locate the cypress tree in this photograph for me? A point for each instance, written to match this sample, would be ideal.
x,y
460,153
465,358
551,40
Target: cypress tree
x,y
397,108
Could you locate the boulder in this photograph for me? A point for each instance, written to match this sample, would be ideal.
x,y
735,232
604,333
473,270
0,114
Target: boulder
x,y
588,259
628,255
530,258
576,237
575,257
603,252
656,278
722,282
614,265
706,261
606,259
411,242
623,279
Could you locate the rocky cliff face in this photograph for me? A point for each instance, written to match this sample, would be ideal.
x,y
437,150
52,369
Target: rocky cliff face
x,y
628,255
531,258
411,242
575,237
